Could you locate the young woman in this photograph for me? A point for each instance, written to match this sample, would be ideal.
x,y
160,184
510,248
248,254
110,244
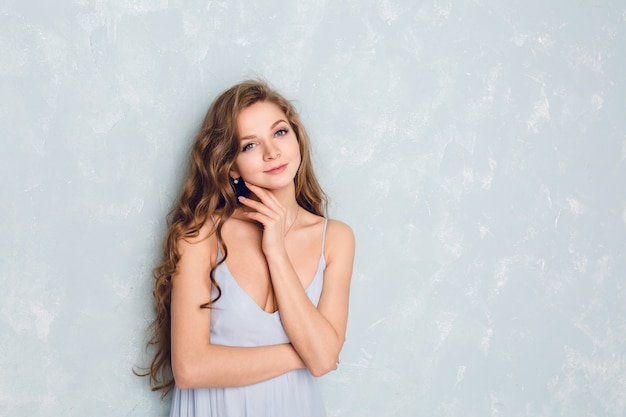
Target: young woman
x,y
252,293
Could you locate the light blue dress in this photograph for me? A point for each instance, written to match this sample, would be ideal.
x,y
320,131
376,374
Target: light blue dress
x,y
236,320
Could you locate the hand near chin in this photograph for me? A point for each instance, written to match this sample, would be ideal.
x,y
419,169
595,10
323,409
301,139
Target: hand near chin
x,y
270,214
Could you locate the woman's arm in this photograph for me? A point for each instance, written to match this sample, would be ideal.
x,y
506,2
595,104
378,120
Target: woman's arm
x,y
195,361
317,334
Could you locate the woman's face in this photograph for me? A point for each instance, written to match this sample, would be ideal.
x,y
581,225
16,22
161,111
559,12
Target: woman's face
x,y
269,154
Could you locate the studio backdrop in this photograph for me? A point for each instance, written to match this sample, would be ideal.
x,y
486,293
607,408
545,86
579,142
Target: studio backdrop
x,y
476,147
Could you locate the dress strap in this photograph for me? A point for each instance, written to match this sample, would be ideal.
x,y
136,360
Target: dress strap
x,y
219,252
324,234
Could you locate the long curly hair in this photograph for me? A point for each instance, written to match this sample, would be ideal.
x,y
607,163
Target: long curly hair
x,y
207,189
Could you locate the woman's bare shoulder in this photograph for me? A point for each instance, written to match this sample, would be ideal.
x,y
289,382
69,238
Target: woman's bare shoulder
x,y
340,240
335,229
203,237
198,253
339,230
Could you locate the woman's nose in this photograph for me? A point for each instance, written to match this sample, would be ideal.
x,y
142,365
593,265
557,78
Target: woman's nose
x,y
271,151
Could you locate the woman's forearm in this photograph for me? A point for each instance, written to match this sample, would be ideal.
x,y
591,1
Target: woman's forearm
x,y
311,334
226,366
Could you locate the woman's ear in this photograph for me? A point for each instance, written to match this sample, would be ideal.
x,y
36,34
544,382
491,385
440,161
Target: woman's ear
x,y
234,173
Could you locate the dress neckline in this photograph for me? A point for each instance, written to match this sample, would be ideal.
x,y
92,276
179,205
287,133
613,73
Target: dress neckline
x,y
321,261
246,295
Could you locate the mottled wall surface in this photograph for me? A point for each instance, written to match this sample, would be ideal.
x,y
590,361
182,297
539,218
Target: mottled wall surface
x,y
477,147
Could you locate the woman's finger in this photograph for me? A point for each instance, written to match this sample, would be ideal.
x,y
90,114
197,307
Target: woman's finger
x,y
262,213
259,206
258,217
263,194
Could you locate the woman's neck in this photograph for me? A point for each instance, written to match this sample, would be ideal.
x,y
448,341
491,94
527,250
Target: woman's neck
x,y
287,198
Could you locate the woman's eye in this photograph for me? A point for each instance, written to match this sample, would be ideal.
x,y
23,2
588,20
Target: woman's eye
x,y
248,146
281,132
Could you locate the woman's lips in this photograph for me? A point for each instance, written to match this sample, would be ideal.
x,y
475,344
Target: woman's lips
x,y
277,170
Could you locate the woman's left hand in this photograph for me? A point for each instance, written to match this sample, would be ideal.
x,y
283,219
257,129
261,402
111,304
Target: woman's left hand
x,y
270,214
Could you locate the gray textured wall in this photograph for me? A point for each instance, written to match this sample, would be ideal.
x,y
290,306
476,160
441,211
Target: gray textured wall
x,y
477,147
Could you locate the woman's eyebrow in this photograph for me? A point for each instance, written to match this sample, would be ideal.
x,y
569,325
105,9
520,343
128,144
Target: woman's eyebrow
x,y
277,122
271,127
